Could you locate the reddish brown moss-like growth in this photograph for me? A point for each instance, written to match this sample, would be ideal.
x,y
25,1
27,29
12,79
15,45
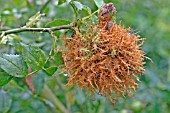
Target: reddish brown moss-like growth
x,y
105,60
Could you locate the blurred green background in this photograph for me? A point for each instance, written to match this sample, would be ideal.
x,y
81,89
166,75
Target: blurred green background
x,y
149,18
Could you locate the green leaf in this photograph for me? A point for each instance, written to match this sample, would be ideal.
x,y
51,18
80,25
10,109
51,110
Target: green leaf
x,y
13,65
78,5
39,81
58,22
5,101
70,33
58,58
94,18
99,3
4,77
63,1
51,70
87,9
14,41
16,44
34,57
13,36
57,33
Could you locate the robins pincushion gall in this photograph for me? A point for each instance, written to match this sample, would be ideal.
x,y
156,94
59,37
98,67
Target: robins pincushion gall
x,y
103,57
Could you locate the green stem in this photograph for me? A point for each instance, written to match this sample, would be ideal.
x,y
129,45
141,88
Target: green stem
x,y
54,45
48,94
45,5
52,109
84,18
32,73
75,10
62,86
15,84
168,77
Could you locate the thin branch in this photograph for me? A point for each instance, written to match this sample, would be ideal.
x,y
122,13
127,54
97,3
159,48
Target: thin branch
x,y
75,10
18,30
23,29
62,86
84,18
4,29
48,94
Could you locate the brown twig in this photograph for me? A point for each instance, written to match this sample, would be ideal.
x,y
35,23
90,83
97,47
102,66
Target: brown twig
x,y
18,30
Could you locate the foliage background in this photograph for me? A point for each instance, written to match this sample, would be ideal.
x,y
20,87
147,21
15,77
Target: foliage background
x,y
151,18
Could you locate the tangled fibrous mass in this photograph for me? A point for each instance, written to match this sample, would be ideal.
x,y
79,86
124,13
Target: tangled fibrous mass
x,y
104,57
